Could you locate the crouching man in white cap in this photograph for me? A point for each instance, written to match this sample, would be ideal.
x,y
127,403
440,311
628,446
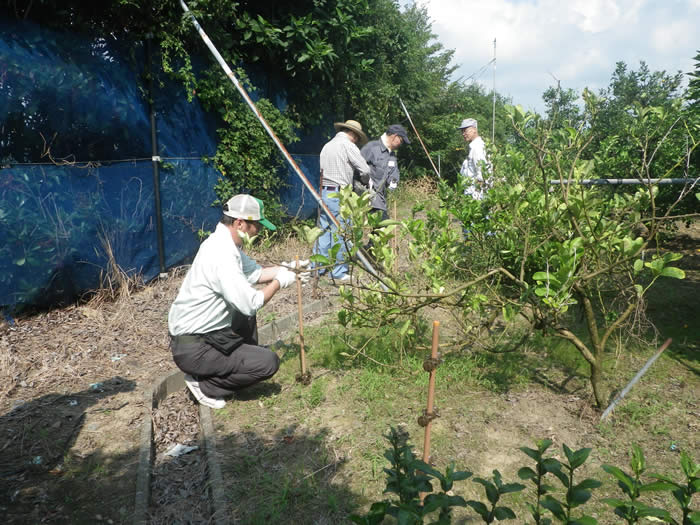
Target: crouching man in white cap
x,y
212,323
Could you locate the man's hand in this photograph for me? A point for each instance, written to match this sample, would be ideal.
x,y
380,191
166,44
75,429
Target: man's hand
x,y
301,268
285,277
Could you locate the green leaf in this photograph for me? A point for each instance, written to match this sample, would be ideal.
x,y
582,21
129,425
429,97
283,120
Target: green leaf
x,y
675,273
511,487
503,513
491,491
534,454
479,507
319,259
578,497
553,506
588,484
638,265
526,473
621,477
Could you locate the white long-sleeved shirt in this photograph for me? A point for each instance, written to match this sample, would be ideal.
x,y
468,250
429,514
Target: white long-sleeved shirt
x,y
471,168
218,285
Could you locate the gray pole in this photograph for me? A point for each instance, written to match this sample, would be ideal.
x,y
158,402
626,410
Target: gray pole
x,y
635,379
155,159
493,118
603,182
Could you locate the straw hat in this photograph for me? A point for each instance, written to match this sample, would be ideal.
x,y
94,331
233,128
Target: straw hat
x,y
353,126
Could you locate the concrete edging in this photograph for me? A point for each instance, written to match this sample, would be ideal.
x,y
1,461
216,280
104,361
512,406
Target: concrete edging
x,y
174,381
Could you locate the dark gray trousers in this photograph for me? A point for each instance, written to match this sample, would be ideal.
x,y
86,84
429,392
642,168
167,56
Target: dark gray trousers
x,y
218,374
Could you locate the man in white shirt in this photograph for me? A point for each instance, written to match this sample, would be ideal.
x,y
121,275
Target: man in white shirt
x,y
472,165
212,321
340,159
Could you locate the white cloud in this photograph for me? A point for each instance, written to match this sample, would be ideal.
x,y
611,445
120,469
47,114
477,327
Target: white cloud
x,y
578,41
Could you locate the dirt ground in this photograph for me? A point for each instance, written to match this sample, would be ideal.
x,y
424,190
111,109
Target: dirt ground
x,y
72,399
72,384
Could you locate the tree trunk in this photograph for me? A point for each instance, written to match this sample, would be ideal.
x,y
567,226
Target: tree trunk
x,y
596,377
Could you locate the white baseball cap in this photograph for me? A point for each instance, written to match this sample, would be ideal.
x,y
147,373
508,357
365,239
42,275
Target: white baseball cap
x,y
248,208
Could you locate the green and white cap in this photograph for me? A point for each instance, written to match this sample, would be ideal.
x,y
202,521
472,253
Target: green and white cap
x,y
248,208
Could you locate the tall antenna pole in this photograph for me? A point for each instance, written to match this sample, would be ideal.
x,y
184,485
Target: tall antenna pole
x,y
493,118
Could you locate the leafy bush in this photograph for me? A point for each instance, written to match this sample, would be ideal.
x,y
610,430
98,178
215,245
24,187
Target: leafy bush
x,y
409,478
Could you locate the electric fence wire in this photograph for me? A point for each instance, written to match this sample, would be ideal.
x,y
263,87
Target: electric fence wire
x,y
478,73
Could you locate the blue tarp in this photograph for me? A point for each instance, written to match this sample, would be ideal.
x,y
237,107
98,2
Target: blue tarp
x,y
76,176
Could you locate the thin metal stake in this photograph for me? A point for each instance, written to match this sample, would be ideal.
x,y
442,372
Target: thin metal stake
x,y
636,378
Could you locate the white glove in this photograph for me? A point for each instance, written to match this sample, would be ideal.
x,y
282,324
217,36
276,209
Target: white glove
x,y
293,264
304,276
393,185
285,277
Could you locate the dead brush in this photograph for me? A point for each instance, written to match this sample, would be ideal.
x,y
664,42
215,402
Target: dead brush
x,y
12,368
116,285
418,188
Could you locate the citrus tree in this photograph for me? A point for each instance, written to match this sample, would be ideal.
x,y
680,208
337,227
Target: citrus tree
x,y
541,250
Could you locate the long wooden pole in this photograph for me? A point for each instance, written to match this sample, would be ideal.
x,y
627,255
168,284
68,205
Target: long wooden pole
x,y
431,393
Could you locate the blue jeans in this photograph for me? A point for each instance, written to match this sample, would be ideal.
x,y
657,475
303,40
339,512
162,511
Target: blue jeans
x,y
326,241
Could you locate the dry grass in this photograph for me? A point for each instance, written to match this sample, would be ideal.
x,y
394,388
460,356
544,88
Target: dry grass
x,y
115,283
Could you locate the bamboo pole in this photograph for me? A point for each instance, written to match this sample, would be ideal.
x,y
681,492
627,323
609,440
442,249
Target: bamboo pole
x,y
302,354
437,172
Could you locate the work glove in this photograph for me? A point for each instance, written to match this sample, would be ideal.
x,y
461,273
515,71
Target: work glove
x,y
393,185
301,270
285,277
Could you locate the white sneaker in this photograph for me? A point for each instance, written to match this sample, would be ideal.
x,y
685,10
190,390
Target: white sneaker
x,y
203,399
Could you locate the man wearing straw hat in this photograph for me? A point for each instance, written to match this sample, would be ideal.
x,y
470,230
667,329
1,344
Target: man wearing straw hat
x,y
340,159
212,323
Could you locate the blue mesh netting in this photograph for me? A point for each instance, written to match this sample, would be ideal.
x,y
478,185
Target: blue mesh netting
x,y
76,175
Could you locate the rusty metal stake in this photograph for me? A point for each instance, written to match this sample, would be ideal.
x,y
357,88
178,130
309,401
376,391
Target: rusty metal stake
x,y
317,271
429,415
431,393
304,377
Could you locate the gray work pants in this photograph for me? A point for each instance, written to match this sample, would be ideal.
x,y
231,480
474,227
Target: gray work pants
x,y
219,374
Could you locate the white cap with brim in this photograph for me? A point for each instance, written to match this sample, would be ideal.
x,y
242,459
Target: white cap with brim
x,y
248,208
468,123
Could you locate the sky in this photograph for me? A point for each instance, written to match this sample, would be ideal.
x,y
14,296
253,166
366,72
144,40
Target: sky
x,y
575,42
